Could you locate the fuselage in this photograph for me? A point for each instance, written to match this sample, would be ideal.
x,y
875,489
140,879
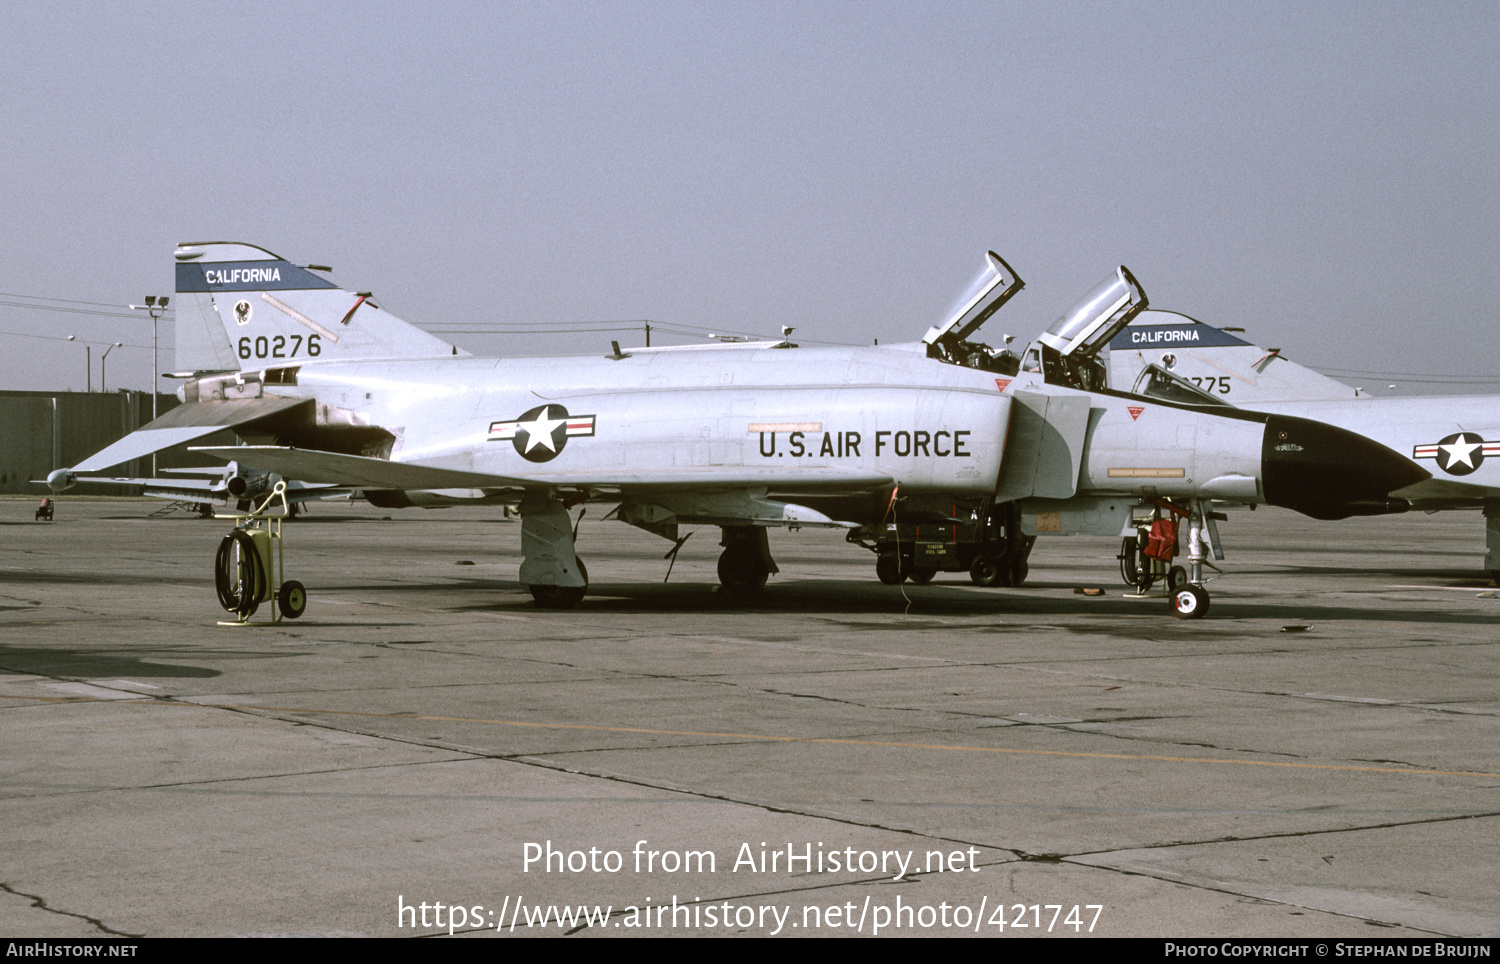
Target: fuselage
x,y
810,422
784,418
1456,438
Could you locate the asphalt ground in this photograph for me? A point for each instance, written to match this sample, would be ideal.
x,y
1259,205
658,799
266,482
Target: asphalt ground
x,y
1085,764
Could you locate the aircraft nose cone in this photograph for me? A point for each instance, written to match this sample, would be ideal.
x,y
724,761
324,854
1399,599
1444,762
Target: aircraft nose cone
x,y
1331,473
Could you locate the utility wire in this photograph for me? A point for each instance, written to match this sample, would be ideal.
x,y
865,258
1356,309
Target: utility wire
x,y
69,301
76,341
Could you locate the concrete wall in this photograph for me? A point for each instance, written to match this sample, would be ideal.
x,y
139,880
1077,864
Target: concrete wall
x,y
42,431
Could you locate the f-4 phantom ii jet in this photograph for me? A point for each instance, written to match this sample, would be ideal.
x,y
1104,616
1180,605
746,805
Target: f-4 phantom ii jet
x,y
329,388
1455,438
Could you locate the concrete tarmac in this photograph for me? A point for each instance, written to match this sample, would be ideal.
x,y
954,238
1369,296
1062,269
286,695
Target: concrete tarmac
x,y
992,762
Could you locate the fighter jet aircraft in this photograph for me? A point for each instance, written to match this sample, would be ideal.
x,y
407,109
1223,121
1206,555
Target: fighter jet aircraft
x,y
744,436
1455,438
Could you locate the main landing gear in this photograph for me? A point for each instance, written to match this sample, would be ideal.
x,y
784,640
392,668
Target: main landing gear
x,y
550,569
746,562
1492,539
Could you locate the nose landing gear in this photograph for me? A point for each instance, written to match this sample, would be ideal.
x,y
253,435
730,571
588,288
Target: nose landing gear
x,y
1147,557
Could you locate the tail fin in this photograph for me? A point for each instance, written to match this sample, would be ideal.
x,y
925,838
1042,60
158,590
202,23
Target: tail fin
x,y
1231,369
242,307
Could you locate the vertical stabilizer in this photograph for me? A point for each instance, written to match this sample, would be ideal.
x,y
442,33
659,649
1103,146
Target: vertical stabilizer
x,y
1214,361
242,307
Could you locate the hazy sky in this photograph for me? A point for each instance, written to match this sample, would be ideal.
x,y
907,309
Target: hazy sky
x,y
1323,175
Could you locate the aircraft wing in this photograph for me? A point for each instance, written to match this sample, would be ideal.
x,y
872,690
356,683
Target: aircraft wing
x,y
183,424
185,489
309,465
207,490
360,472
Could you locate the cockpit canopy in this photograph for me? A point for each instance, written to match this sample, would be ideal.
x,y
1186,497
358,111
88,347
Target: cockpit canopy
x,y
1066,354
1069,349
995,284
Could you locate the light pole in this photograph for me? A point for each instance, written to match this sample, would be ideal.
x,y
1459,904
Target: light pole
x,y
156,307
88,363
104,385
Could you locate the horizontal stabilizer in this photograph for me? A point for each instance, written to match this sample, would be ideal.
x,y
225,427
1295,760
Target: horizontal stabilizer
x,y
141,443
224,413
183,424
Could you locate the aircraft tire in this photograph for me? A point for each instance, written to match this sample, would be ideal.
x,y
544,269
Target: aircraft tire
x,y
986,571
1176,578
1190,602
561,597
1129,561
292,599
888,569
741,572
923,576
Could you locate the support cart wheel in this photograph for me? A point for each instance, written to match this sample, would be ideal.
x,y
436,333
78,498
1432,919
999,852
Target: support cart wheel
x,y
922,576
1019,571
985,571
292,599
888,568
1190,602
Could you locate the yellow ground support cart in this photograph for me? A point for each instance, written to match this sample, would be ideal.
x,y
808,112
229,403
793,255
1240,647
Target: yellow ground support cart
x,y
250,564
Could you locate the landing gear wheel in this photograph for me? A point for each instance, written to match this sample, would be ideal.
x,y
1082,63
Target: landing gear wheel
x,y
1176,578
742,572
986,571
562,597
922,576
888,569
1190,602
292,599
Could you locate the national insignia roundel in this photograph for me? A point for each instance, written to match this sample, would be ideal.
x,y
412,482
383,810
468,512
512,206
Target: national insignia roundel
x,y
1459,453
541,433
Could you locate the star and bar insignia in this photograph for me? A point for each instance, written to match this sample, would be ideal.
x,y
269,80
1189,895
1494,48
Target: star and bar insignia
x,y
540,434
1459,453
